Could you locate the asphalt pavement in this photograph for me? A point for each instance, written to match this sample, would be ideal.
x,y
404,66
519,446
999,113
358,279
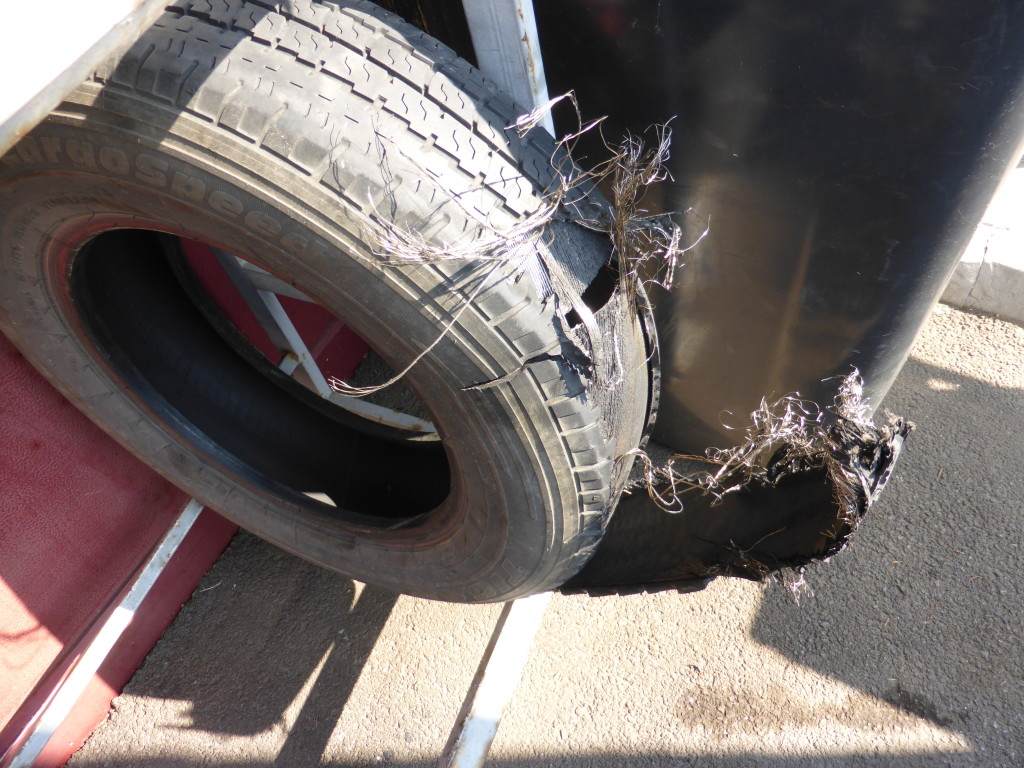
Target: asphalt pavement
x,y
907,652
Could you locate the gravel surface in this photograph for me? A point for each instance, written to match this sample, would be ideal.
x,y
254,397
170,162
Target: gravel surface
x,y
908,653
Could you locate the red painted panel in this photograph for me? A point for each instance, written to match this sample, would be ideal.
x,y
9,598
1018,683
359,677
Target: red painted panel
x,y
77,515
204,543
335,347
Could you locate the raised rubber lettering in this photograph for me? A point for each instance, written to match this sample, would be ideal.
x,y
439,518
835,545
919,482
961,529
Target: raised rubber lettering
x,y
224,203
28,150
81,155
294,244
114,161
156,171
188,188
152,170
52,148
263,224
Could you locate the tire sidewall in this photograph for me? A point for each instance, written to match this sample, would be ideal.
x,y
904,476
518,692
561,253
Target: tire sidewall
x,y
465,550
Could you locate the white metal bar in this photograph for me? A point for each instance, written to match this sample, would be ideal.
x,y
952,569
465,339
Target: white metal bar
x,y
507,49
259,290
383,415
59,706
49,48
494,683
370,411
288,364
300,352
296,344
274,319
240,279
265,281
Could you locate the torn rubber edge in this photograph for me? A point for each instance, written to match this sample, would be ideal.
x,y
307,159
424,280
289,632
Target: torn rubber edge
x,y
795,508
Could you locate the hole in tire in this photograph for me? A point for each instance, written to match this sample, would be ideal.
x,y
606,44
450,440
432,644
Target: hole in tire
x,y
596,295
178,352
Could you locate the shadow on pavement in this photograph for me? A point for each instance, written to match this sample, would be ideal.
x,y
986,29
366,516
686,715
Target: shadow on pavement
x,y
248,677
924,610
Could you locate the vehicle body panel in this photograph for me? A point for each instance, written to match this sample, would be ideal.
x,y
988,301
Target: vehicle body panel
x,y
840,155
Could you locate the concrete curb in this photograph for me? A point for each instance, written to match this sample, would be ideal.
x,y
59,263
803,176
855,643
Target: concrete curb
x,y
990,276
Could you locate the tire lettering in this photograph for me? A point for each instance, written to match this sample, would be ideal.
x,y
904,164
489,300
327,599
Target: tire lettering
x,y
152,170
294,244
115,161
188,188
263,224
51,148
81,155
156,171
224,203
297,245
28,150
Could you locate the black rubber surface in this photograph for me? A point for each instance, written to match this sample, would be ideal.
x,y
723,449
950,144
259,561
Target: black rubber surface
x,y
286,135
179,364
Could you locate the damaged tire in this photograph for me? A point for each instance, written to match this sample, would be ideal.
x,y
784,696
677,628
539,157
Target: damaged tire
x,y
284,142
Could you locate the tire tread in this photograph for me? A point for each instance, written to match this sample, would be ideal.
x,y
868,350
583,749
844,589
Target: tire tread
x,y
394,78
